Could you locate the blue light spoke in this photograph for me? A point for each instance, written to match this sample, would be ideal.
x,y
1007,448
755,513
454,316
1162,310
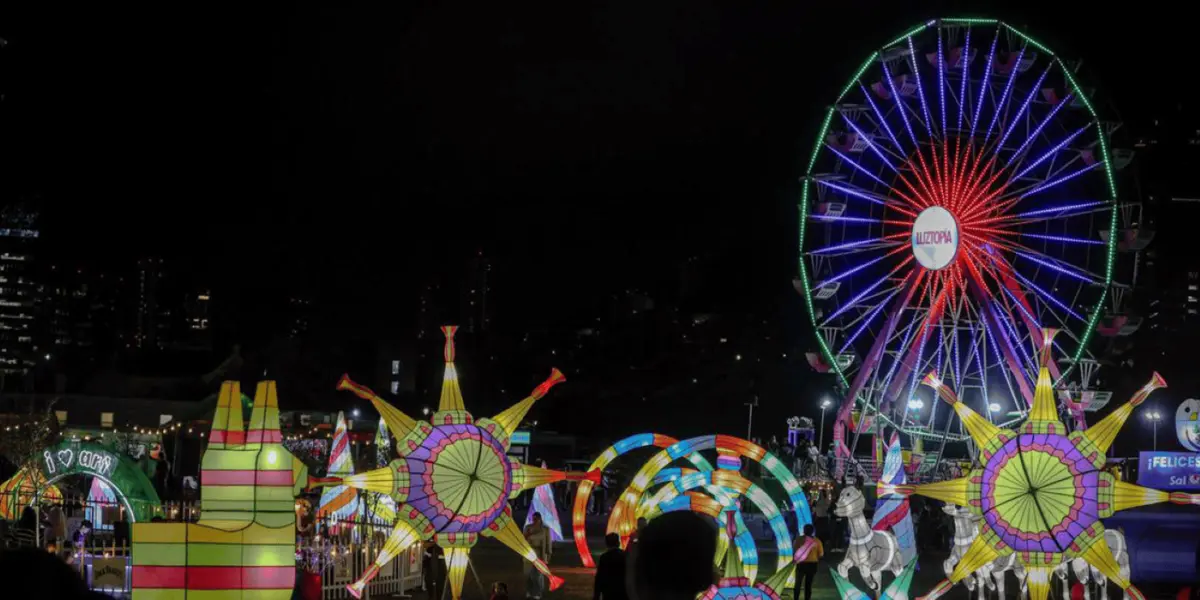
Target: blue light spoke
x,y
846,219
912,54
1011,331
957,360
1063,238
866,321
1063,179
856,299
854,164
887,381
1012,125
965,59
1012,77
1033,135
987,76
846,274
870,142
941,79
1050,265
1047,295
1058,210
1051,152
850,191
882,121
899,105
982,372
855,244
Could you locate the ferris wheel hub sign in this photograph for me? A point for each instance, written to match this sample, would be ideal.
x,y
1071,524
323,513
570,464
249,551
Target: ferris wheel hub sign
x,y
935,238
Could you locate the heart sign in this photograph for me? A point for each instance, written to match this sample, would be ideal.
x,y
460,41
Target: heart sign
x,y
65,457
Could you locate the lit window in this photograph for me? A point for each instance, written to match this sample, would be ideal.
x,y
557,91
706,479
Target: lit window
x,y
164,419
61,415
1191,299
395,367
106,420
395,387
1192,288
1191,311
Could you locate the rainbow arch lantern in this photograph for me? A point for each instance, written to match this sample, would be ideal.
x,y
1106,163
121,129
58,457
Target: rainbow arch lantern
x,y
626,445
244,544
730,450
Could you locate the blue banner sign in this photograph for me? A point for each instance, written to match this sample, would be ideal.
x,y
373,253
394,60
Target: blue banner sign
x,y
1169,470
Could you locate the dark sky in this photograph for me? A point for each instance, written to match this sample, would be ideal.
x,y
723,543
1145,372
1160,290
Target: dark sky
x,y
354,152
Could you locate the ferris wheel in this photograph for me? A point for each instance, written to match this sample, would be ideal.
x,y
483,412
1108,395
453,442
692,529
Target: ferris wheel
x,y
960,197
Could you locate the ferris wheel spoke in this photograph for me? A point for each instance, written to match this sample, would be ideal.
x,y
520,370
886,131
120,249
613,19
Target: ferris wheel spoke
x,y
912,55
867,318
1012,77
1016,120
858,220
941,60
860,267
850,189
1048,262
1063,179
881,120
1054,150
887,241
983,85
1030,286
870,143
900,108
1038,130
863,294
858,167
965,75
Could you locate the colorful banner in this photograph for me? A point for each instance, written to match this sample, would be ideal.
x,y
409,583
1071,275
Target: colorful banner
x,y
1169,470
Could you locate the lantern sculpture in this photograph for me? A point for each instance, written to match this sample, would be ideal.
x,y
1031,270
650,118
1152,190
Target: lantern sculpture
x,y
244,544
453,478
1041,492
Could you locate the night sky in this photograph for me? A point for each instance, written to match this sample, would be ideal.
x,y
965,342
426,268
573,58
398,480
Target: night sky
x,y
353,153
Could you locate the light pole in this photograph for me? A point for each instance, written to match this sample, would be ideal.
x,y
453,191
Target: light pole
x,y
821,436
750,419
1154,417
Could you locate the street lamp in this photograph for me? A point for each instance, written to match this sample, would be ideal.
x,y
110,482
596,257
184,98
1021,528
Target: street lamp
x,y
750,418
993,407
916,404
1154,417
354,413
425,410
826,403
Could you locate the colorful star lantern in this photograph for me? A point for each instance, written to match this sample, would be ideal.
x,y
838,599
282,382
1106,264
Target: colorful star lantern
x,y
1040,491
453,478
896,590
244,544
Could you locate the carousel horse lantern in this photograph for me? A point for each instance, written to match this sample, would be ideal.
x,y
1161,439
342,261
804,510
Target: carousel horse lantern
x,y
1116,542
793,434
871,552
966,529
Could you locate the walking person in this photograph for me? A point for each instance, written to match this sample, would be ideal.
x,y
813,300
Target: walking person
x,y
538,536
610,571
433,570
806,570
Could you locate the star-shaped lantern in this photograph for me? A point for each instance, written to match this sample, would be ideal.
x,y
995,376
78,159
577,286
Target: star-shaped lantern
x,y
453,477
1041,491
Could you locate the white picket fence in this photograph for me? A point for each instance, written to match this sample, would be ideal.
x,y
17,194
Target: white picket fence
x,y
347,562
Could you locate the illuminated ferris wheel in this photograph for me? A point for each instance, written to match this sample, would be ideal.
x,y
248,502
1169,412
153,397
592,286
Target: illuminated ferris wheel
x,y
960,197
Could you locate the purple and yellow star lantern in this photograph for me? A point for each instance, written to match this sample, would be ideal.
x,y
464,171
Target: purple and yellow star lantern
x,y
1040,490
453,477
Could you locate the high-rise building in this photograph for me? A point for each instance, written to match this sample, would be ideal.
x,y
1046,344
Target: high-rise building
x,y
475,313
147,320
18,289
